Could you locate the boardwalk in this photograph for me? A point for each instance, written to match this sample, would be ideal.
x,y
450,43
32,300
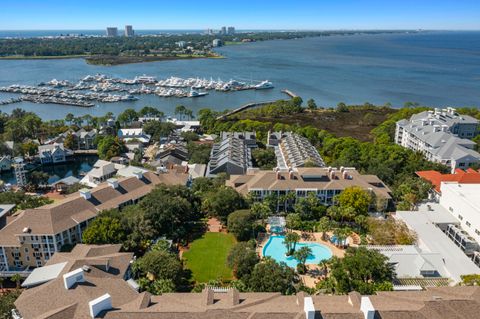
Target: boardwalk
x,y
243,108
254,104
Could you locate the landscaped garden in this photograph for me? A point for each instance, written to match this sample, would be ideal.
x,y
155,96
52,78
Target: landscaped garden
x,y
207,257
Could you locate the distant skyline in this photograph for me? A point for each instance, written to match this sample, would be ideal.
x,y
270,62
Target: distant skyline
x,y
247,14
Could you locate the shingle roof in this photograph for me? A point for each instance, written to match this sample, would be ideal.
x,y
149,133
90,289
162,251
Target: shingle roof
x,y
52,300
59,216
306,178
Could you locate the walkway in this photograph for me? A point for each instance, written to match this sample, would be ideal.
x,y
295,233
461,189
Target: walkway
x,y
214,225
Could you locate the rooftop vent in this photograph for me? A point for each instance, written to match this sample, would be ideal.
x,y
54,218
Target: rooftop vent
x,y
100,304
26,230
113,183
161,169
86,268
138,174
85,193
73,277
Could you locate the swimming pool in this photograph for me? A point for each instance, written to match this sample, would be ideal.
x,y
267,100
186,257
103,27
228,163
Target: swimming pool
x,y
276,249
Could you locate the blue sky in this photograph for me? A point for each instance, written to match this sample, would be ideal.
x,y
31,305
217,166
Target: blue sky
x,y
243,14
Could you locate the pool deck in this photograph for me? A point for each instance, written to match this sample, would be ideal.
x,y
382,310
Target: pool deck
x,y
315,272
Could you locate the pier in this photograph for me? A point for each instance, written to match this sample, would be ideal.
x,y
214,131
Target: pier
x,y
243,108
289,93
253,104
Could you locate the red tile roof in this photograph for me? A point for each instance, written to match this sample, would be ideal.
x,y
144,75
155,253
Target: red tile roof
x,y
470,176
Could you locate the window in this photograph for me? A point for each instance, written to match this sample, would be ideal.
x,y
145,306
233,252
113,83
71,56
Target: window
x,y
461,164
477,232
460,217
468,224
26,250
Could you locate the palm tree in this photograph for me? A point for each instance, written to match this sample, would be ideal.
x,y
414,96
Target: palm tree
x,y
324,265
323,226
180,109
341,234
301,255
290,242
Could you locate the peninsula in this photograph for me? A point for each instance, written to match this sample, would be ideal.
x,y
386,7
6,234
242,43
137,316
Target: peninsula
x,y
122,50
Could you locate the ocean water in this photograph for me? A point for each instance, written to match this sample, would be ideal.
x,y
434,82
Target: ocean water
x,y
431,68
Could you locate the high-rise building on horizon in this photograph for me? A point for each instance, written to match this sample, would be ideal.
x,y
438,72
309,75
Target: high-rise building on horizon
x,y
129,31
223,31
231,30
112,32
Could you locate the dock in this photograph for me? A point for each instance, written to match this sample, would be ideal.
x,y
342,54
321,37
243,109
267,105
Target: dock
x,y
254,104
10,101
243,108
289,93
85,152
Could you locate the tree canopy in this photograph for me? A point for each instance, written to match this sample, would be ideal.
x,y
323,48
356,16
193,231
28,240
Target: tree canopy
x,y
361,270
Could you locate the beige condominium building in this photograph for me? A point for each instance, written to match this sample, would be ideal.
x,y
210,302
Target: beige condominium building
x,y
324,182
94,282
31,237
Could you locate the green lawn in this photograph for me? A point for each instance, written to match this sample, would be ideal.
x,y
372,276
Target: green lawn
x,y
207,257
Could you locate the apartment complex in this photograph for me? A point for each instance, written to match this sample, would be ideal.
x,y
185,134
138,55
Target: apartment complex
x,y
31,237
443,136
469,176
233,154
94,282
293,150
129,31
112,32
458,194
324,182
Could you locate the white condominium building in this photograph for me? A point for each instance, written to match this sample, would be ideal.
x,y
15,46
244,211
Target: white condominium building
x,y
463,201
443,136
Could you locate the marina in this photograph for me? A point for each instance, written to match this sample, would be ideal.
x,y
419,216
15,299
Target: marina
x,y
100,88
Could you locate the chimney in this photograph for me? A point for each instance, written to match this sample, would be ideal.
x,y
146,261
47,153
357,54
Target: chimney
x,y
100,304
113,183
138,174
290,173
332,174
346,175
73,277
342,169
186,169
309,308
367,308
234,296
207,295
85,193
